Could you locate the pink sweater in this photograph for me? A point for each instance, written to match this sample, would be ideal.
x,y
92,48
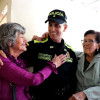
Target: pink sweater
x,y
12,72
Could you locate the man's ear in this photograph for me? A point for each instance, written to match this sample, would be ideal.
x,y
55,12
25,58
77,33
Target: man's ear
x,y
65,27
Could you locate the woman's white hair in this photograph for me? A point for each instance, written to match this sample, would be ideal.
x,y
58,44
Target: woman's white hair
x,y
8,34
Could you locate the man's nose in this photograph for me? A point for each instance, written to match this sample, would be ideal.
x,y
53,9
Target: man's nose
x,y
53,28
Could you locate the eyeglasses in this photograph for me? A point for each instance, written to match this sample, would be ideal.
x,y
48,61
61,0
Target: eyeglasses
x,y
87,41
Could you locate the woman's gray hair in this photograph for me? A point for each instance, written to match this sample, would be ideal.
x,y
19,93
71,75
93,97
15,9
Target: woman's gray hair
x,y
8,34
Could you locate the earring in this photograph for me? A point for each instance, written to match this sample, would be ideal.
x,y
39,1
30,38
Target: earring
x,y
9,44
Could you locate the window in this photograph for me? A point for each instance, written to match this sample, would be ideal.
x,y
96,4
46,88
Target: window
x,y
3,15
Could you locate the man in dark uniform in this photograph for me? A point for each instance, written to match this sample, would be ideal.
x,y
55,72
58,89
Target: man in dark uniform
x,y
62,85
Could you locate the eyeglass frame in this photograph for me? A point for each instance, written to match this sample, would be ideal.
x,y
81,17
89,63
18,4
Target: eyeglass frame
x,y
88,41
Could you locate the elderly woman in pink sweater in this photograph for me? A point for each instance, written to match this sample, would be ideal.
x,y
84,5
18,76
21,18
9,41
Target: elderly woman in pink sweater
x,y
14,77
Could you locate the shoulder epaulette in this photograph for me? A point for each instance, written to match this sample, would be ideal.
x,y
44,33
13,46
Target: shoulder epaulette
x,y
43,41
69,47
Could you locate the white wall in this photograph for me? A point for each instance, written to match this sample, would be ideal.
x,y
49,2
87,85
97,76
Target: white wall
x,y
33,13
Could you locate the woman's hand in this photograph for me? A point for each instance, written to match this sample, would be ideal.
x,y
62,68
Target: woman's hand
x,y
78,96
35,37
45,35
59,60
3,55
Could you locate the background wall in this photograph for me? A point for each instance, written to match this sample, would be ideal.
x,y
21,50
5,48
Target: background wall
x,y
82,15
2,5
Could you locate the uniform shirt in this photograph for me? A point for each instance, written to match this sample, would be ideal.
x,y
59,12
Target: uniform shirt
x,y
56,86
13,71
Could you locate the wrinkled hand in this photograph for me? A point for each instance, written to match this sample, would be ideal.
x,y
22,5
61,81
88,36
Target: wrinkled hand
x,y
35,37
3,55
78,96
59,60
45,35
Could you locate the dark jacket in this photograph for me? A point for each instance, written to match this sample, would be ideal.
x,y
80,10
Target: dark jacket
x,y
60,86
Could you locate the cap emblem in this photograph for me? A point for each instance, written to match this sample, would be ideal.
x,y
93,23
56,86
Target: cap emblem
x,y
56,13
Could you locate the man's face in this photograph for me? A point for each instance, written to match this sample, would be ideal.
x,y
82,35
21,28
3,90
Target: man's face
x,y
56,30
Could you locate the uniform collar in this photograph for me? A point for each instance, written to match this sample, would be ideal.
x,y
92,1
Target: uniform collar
x,y
51,41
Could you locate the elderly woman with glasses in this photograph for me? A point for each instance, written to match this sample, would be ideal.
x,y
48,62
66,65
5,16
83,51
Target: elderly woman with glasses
x,y
14,77
88,69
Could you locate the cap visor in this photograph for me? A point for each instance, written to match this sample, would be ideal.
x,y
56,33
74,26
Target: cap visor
x,y
55,20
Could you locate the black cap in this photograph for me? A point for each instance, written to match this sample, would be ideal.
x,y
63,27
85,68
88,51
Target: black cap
x,y
58,16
